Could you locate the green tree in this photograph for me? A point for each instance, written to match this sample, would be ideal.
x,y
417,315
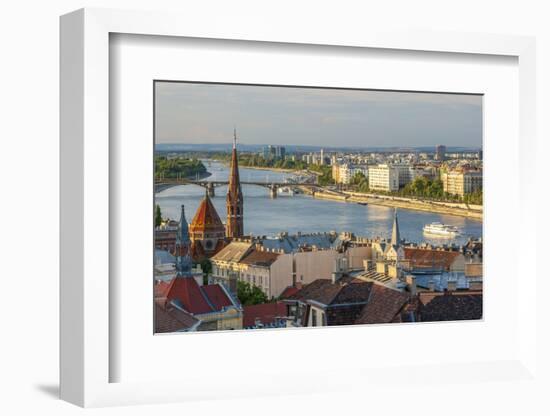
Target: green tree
x,y
250,294
178,167
158,216
475,198
206,266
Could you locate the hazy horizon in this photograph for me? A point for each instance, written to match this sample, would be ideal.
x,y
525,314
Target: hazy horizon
x,y
195,113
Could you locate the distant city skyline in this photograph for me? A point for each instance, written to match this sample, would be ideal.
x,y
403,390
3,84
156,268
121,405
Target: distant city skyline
x,y
194,113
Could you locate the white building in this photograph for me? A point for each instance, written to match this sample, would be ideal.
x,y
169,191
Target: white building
x,y
461,183
347,172
383,178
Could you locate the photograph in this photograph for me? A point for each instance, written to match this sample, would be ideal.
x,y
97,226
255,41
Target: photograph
x,y
296,207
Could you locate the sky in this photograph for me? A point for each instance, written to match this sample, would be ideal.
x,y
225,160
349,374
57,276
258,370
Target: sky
x,y
206,113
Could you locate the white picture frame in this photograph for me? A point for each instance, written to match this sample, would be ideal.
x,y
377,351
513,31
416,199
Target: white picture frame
x,y
86,353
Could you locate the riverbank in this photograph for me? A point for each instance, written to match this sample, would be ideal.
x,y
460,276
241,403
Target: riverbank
x,y
403,203
271,169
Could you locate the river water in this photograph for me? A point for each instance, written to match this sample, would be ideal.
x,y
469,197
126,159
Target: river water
x,y
266,216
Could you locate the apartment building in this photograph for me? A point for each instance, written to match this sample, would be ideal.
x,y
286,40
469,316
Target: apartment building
x,y
461,183
383,178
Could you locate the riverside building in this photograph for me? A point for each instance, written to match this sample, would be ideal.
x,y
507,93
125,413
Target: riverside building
x,y
461,183
383,178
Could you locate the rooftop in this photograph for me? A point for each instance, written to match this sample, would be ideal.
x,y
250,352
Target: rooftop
x,y
233,252
427,258
383,305
168,318
260,258
206,217
265,313
293,243
186,293
452,307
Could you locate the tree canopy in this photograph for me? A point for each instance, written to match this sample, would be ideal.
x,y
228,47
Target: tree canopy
x,y
177,166
250,294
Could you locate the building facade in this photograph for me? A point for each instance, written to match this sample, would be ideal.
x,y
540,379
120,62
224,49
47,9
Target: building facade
x,y
206,232
461,183
346,172
440,151
383,178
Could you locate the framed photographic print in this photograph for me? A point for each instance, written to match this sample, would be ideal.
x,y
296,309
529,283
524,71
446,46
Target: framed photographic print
x,y
251,204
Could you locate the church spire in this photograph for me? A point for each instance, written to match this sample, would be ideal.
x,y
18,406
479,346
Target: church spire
x,y
184,263
395,237
234,200
183,232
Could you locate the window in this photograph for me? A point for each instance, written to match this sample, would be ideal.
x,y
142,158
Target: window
x,y
313,317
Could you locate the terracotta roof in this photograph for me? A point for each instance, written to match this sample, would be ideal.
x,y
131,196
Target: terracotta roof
x,y
289,291
383,305
421,257
260,258
233,252
217,296
265,312
191,297
206,217
188,293
168,318
452,307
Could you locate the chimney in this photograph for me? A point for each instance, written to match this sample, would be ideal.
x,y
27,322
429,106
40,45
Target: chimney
x,y
411,283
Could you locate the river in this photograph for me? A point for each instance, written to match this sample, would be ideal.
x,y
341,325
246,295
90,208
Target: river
x,y
266,216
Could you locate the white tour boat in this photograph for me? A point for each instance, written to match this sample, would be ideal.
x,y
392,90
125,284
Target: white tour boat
x,y
440,230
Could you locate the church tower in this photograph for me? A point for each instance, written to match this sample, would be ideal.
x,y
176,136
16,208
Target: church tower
x,y
234,200
395,236
184,263
206,231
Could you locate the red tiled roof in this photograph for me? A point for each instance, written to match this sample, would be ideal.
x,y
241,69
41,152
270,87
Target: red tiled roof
x,y
421,257
170,319
187,291
289,291
193,298
383,305
265,312
206,218
217,296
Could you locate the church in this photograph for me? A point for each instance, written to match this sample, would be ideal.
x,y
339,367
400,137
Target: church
x,y
207,233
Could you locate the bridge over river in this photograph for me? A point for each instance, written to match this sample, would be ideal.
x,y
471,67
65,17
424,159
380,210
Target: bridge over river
x,y
164,183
